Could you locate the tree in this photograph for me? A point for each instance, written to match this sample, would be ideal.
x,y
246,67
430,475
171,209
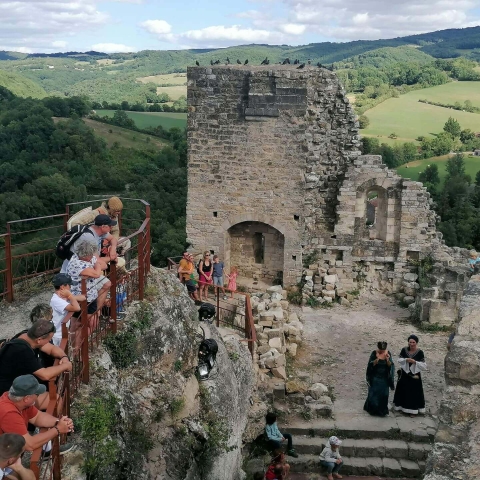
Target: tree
x,y
456,166
430,175
466,135
452,127
363,121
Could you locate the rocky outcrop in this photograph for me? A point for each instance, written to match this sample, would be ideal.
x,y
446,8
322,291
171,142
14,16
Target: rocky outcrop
x,y
456,450
167,424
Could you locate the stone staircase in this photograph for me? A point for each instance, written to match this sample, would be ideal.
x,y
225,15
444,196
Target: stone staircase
x,y
393,447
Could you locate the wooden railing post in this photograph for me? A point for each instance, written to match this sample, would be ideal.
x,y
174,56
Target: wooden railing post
x,y
9,264
141,267
84,333
149,239
113,296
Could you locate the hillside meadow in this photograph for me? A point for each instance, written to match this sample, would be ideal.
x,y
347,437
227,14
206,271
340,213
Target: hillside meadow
x,y
150,119
408,118
413,169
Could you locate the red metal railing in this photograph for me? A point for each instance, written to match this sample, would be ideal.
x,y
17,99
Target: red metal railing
x,y
235,312
27,260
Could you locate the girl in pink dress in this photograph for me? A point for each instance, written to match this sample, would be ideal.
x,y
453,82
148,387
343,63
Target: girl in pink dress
x,y
232,280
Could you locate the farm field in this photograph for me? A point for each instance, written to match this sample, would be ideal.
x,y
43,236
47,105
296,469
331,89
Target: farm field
x,y
412,170
150,119
408,118
171,78
124,137
174,92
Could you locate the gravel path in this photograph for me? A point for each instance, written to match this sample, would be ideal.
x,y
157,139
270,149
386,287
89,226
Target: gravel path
x,y
338,341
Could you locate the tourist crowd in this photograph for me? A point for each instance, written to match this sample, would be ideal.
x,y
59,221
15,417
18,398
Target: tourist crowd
x,y
211,271
28,361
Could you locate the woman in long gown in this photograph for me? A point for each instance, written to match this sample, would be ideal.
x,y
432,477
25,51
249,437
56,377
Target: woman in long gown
x,y
409,396
380,377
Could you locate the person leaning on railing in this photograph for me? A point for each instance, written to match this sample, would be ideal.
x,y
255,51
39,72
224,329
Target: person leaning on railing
x,y
11,449
17,409
19,357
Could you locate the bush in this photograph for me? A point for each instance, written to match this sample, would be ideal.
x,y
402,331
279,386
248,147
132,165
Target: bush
x,y
363,121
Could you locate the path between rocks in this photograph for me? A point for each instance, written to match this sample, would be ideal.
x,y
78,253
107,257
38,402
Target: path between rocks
x,y
338,342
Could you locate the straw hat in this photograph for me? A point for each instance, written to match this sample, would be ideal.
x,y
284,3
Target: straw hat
x,y
115,204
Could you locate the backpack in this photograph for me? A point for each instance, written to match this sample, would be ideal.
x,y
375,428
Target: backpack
x,y
66,241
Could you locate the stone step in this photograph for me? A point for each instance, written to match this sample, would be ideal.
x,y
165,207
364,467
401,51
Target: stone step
x,y
362,466
366,448
417,430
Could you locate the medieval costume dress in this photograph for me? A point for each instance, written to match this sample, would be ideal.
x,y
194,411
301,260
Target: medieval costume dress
x,y
379,379
409,396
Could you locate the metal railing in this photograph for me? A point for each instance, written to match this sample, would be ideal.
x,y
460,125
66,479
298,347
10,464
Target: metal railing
x,y
28,260
235,312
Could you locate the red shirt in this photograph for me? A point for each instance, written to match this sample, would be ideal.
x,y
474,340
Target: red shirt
x,y
13,420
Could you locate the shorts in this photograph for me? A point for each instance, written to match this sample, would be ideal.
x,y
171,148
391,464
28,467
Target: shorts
x,y
92,308
190,286
100,282
218,281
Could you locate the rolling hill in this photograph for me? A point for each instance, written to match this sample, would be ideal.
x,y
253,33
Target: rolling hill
x,y
21,86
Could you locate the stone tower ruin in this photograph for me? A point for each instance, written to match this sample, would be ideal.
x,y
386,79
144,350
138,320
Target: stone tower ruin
x,y
275,173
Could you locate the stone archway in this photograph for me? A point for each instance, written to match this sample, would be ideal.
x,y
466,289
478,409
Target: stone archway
x,y
257,250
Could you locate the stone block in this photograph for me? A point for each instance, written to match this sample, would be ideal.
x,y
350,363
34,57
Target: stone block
x,y
263,349
330,287
277,313
279,391
408,300
317,390
331,279
328,293
374,466
343,301
293,317
275,289
292,349
410,277
275,342
295,386
328,299
296,398
320,410
273,332
265,323
266,317
410,469
391,467
279,372
418,451
396,449
276,297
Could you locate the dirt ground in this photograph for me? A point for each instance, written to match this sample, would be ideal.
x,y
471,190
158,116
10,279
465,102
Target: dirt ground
x,y
338,342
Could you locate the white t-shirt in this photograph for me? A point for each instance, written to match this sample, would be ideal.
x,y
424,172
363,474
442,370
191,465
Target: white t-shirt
x,y
58,305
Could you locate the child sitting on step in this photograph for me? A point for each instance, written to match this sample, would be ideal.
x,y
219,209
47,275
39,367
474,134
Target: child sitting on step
x,y
331,459
275,438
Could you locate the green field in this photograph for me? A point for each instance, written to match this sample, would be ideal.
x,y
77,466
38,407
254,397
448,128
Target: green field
x,y
146,119
413,169
409,118
122,136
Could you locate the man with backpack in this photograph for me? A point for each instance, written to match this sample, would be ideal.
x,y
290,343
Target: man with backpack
x,y
96,233
19,357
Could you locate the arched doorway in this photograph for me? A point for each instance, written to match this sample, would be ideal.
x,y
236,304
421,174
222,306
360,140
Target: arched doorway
x,y
257,250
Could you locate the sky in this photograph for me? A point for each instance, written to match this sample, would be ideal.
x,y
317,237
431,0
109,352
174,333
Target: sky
x,y
131,25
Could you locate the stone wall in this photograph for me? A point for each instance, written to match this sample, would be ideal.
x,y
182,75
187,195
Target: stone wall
x,y
279,146
456,450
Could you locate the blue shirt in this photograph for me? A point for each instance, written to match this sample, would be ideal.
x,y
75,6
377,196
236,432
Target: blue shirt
x,y
218,269
273,433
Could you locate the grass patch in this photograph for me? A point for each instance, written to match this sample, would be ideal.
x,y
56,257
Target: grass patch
x,y
176,406
152,119
435,327
413,169
174,92
409,118
123,137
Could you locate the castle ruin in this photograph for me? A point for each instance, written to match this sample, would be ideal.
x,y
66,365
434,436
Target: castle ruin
x,y
275,173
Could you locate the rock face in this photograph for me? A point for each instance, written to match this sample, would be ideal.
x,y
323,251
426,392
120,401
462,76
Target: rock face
x,y
279,137
195,430
456,450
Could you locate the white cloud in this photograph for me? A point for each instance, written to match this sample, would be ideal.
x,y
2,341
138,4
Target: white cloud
x,y
293,28
373,19
36,24
59,44
158,27
113,48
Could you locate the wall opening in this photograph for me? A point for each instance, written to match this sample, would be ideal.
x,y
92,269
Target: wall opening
x,y
257,250
376,213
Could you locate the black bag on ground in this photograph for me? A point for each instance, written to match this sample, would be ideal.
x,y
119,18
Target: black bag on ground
x,y
68,239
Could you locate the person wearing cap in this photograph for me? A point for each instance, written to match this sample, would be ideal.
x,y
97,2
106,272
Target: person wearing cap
x,y
331,459
19,357
17,409
185,270
62,302
11,449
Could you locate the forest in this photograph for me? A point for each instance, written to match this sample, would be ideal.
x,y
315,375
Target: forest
x,y
44,165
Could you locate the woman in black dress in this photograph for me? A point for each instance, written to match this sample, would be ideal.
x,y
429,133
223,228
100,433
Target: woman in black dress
x,y
380,374
409,396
